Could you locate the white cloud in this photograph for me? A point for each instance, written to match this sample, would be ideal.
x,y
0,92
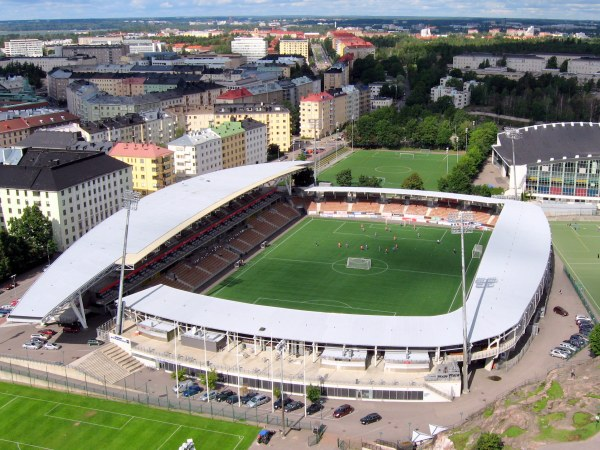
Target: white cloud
x,y
166,5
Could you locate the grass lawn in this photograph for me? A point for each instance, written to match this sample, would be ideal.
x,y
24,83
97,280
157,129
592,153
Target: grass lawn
x,y
306,269
393,166
578,246
36,418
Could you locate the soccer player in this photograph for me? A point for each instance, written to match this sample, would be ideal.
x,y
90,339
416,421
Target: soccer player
x,y
366,246
339,245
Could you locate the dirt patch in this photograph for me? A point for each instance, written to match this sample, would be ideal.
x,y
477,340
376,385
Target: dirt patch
x,y
90,413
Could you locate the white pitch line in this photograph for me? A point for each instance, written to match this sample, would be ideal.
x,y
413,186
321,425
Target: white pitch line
x,y
7,403
172,434
24,443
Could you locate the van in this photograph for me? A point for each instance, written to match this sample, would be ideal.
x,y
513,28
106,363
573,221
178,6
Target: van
x,y
182,386
258,400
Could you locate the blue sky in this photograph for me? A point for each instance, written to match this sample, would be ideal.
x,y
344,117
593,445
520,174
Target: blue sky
x,y
70,9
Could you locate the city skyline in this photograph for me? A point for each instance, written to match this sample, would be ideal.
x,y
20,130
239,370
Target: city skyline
x,y
86,9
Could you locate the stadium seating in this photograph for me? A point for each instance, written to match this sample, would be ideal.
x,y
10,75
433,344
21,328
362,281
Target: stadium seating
x,y
334,205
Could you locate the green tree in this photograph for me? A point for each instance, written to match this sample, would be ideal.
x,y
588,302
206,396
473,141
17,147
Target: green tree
x,y
179,131
552,63
35,231
272,152
277,392
369,181
489,441
344,178
564,67
595,340
179,375
313,393
213,377
301,156
456,83
413,181
294,117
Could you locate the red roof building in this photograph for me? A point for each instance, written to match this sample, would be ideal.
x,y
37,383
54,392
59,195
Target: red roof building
x,y
14,130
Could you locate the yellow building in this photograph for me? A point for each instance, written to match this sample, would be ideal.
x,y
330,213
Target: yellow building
x,y
275,117
233,142
323,113
294,47
152,166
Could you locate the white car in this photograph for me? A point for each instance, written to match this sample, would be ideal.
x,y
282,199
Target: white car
x,y
258,400
582,317
559,353
32,345
41,336
568,346
182,386
52,346
208,395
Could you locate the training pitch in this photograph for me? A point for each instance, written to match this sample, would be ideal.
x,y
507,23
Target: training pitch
x,y
578,245
33,418
394,166
306,269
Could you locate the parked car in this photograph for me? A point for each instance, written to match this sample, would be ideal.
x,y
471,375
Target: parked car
x,y
32,345
5,311
314,408
560,311
182,386
247,397
582,337
47,332
39,336
70,329
224,395
93,342
557,353
52,346
342,411
568,346
370,418
258,400
286,401
208,395
264,436
232,399
293,406
192,390
576,342
582,317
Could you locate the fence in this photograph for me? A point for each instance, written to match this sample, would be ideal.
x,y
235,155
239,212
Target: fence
x,y
580,289
50,380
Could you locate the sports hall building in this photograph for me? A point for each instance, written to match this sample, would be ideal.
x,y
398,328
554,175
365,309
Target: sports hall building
x,y
185,237
556,161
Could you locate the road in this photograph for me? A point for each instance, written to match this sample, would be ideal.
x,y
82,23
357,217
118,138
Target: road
x,y
322,61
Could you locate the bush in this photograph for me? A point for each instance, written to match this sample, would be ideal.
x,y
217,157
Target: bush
x,y
489,441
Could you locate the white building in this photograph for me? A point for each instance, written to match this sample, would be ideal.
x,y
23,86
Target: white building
x,y
256,141
352,102
23,47
460,99
251,47
74,190
136,46
381,102
586,65
197,152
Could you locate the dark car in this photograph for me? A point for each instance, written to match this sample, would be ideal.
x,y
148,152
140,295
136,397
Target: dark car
x,y
93,342
314,408
224,395
293,406
246,398
342,411
286,401
232,399
370,418
265,436
192,390
70,329
560,311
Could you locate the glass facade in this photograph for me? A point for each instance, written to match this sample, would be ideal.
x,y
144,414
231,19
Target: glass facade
x,y
577,178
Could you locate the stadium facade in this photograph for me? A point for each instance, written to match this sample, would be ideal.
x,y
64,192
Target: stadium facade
x,y
237,211
556,161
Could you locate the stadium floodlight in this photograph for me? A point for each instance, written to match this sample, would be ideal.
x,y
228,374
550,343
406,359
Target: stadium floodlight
x,y
513,134
280,348
485,282
315,123
462,223
130,202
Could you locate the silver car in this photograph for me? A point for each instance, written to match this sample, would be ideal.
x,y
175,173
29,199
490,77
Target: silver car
x,y
32,345
52,346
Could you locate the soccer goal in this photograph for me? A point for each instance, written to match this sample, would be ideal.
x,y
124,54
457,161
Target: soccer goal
x,y
403,155
358,263
477,251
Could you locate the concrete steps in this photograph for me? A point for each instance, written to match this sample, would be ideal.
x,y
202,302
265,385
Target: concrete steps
x,y
108,363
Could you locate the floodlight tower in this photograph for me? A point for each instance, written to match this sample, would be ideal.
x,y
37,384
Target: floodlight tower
x,y
462,223
280,348
130,202
513,134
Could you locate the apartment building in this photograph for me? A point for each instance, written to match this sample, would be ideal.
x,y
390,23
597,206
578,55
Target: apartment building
x,y
152,166
140,46
317,113
252,48
460,98
587,65
23,47
75,190
275,117
233,142
14,130
336,76
197,152
294,47
104,54
381,102
255,141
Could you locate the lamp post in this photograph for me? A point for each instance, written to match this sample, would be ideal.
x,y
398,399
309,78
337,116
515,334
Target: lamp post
x,y
14,280
130,201
314,123
352,136
466,139
462,223
513,134
446,160
281,350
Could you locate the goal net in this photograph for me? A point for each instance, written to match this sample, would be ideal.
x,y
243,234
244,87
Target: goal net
x,y
403,155
477,251
358,263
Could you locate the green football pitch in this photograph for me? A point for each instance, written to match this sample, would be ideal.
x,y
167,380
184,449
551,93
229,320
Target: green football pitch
x,y
393,166
306,269
33,418
578,245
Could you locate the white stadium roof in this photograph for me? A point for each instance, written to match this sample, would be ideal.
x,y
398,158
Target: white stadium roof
x,y
159,217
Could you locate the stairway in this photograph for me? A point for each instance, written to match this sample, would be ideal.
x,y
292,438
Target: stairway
x,y
108,363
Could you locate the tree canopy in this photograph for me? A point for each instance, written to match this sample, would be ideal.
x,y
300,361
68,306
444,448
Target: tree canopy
x,y
413,181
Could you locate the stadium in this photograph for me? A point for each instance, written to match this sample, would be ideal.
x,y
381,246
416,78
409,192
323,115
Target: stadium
x,y
354,290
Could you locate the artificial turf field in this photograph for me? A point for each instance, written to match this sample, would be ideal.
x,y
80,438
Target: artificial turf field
x,y
33,418
393,166
306,269
578,245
